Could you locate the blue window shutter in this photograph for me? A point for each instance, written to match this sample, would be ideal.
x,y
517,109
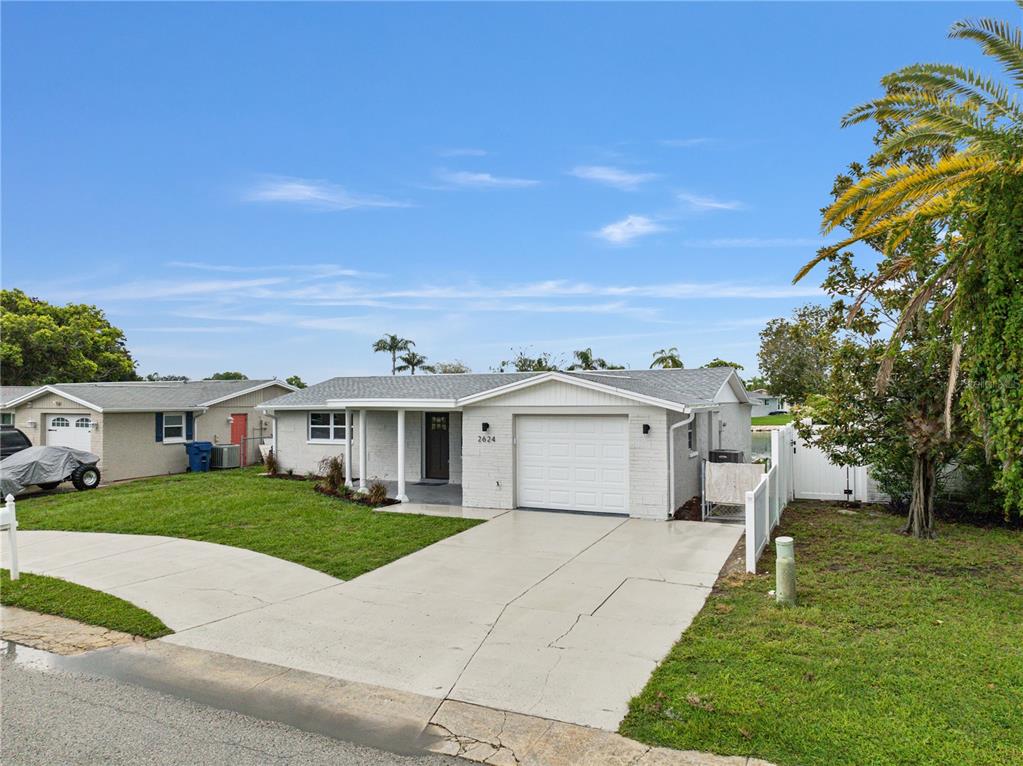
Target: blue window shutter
x,y
188,426
159,426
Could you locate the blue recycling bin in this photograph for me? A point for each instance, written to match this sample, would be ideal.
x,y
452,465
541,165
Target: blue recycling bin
x,y
199,454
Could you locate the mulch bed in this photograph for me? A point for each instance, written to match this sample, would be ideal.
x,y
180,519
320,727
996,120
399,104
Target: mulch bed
x,y
354,497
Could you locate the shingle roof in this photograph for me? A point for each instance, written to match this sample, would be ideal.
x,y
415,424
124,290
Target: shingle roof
x,y
8,393
678,386
154,395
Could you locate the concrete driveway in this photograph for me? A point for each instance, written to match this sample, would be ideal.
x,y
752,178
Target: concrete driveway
x,y
555,615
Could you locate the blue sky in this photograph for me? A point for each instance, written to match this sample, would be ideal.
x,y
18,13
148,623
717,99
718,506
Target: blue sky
x,y
269,187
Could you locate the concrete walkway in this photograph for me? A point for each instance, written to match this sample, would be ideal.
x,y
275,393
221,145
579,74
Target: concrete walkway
x,y
545,614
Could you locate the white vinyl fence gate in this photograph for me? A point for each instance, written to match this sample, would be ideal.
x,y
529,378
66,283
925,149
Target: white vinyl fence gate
x,y
817,478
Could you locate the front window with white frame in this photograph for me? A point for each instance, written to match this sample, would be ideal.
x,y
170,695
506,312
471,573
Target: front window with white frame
x,y
173,426
6,418
691,437
327,427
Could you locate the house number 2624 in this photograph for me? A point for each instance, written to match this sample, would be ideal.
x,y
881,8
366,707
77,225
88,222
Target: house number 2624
x,y
487,439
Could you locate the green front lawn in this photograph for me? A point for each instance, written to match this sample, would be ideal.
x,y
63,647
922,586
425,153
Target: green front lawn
x,y
278,517
49,595
772,420
900,651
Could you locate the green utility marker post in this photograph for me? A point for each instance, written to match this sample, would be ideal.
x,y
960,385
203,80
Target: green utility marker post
x,y
785,572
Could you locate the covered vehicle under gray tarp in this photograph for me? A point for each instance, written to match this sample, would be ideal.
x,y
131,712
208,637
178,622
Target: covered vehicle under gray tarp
x,y
41,465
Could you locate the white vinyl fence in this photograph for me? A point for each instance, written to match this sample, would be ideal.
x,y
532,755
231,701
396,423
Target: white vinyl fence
x,y
817,478
765,503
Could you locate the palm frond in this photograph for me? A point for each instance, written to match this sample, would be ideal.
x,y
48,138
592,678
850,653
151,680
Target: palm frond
x,y
924,183
952,79
996,39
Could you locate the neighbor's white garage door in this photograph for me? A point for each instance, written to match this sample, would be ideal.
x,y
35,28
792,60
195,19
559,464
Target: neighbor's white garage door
x,y
572,462
73,430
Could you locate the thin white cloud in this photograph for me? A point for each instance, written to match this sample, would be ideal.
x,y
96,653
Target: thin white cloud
x,y
612,176
685,143
316,194
466,179
176,329
629,229
462,152
700,202
176,290
316,269
754,242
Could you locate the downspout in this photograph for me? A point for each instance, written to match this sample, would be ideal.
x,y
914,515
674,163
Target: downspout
x,y
671,459
195,417
273,431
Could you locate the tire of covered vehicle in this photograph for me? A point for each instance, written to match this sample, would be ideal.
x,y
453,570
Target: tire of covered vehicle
x,y
49,485
85,477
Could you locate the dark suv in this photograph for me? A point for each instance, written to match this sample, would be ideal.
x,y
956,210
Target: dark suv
x,y
12,440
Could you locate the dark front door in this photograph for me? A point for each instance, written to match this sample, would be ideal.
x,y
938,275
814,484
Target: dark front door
x,y
437,445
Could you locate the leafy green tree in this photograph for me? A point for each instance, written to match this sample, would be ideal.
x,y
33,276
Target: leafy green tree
x,y
393,345
717,362
795,355
456,367
668,359
411,361
973,124
228,376
155,376
43,343
523,362
584,360
296,381
900,430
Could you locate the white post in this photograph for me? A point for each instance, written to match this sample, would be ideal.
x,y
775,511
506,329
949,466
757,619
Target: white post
x,y
348,447
402,497
751,532
362,451
10,520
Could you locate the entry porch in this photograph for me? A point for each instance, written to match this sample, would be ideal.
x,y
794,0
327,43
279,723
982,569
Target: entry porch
x,y
416,453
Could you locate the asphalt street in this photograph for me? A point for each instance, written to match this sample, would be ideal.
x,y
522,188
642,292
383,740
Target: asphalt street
x,y
52,717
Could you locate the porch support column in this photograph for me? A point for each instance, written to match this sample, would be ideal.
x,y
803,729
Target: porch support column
x,y
348,447
402,497
362,451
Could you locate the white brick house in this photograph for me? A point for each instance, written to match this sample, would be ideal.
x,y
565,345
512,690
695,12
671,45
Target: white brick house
x,y
623,441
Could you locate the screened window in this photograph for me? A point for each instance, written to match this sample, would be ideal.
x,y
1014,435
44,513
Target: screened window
x,y
173,426
691,436
6,418
327,426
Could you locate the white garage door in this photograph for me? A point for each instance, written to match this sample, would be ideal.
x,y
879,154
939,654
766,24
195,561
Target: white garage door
x,y
74,430
572,462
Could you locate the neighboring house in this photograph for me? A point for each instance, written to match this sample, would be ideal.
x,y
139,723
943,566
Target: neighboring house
x,y
586,441
139,429
765,403
8,394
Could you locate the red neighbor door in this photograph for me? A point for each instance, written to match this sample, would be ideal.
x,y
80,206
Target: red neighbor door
x,y
239,430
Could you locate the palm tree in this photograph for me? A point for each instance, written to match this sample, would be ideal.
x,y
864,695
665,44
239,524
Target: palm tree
x,y
584,360
667,358
412,361
969,127
973,125
393,345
